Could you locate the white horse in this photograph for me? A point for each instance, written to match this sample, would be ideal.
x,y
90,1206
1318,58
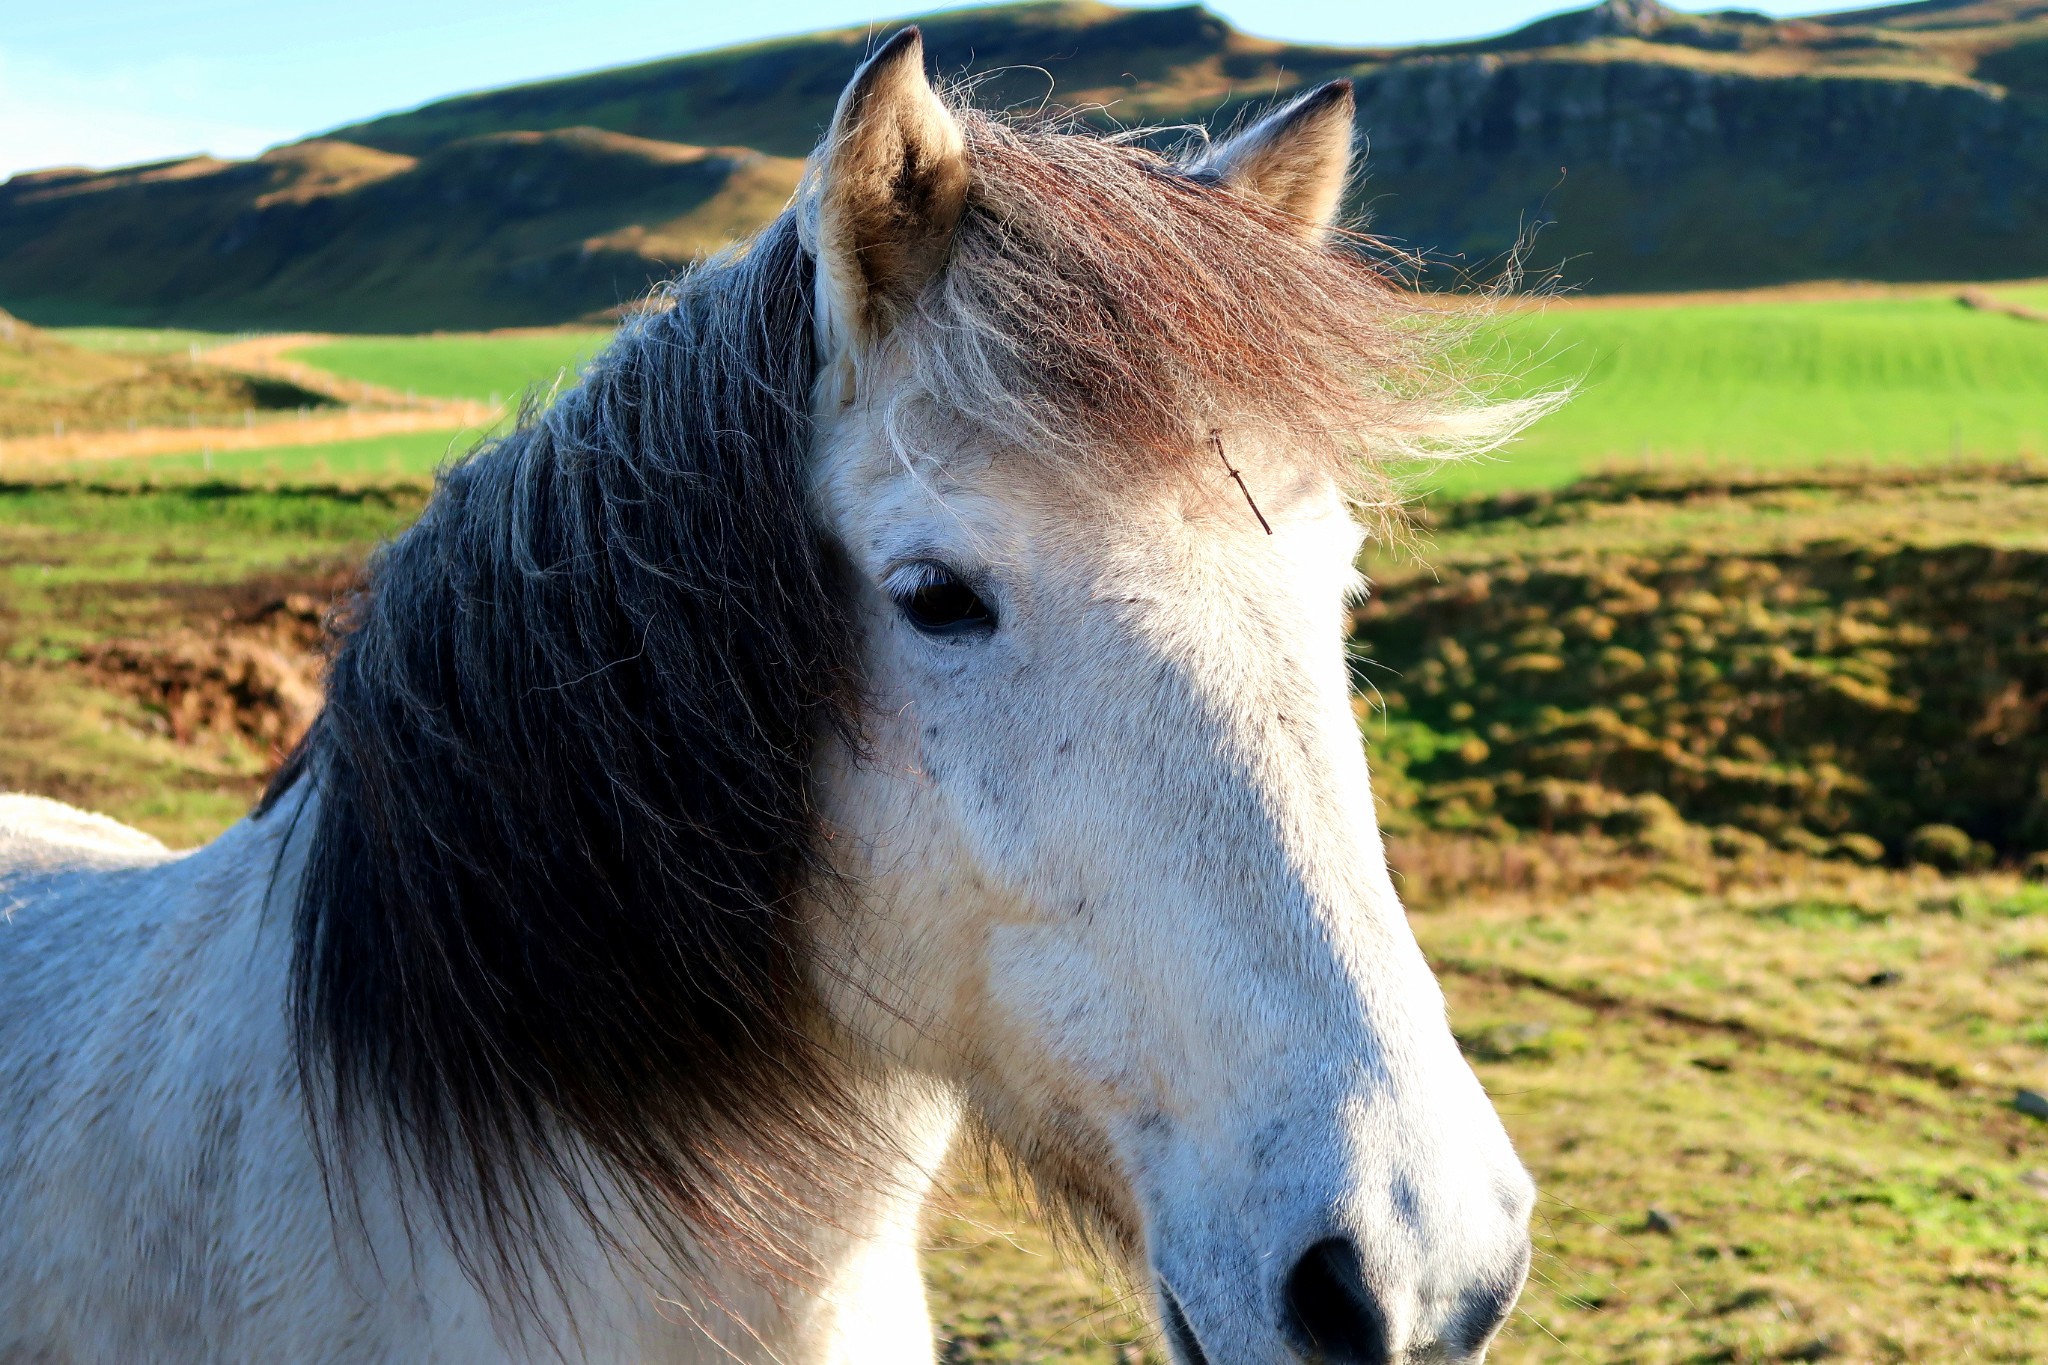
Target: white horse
x,y
898,693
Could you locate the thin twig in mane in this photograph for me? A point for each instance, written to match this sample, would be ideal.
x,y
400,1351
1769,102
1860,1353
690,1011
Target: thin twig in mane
x,y
1216,440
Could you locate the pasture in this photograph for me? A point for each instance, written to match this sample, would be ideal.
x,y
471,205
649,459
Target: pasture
x,y
489,367
1768,385
405,457
1723,387
1764,1083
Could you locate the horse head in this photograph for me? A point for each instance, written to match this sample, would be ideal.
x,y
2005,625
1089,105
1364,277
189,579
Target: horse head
x,y
912,661
1088,445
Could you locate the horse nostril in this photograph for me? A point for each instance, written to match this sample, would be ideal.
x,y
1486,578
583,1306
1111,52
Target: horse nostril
x,y
1334,1316
1488,1304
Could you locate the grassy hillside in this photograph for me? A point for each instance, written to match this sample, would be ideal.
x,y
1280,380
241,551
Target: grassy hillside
x,y
138,340
48,386
1656,150
779,95
1848,665
1653,150
1176,62
505,229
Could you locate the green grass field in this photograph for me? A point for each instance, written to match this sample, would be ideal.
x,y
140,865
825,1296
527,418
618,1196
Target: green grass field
x,y
1758,386
2027,295
1750,386
484,367
1717,387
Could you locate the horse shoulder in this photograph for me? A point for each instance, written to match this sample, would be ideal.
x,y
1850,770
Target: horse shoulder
x,y
38,833
153,1175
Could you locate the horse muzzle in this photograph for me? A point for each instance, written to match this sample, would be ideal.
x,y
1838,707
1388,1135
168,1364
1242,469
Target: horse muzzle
x,y
1366,1296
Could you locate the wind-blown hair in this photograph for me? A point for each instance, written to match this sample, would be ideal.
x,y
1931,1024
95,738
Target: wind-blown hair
x,y
547,949
564,797
1108,307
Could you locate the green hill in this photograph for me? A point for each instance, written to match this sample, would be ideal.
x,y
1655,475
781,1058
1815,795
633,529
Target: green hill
x,y
1648,149
500,229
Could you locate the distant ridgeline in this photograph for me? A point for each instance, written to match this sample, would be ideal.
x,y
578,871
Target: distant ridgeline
x,y
1655,150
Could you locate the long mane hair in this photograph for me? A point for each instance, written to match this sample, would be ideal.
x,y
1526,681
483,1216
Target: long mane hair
x,y
562,819
564,799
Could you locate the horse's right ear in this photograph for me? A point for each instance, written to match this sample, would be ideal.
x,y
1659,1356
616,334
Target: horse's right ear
x,y
891,183
1296,158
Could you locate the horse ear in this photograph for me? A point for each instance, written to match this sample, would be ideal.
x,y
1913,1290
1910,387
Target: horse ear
x,y
1296,158
892,180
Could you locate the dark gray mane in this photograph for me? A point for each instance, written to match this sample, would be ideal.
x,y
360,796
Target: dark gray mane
x,y
564,796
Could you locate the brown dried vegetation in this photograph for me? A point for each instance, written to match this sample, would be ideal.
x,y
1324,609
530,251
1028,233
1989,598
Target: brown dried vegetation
x,y
1841,698
254,673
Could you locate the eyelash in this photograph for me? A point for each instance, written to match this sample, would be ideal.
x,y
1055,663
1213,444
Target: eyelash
x,y
936,601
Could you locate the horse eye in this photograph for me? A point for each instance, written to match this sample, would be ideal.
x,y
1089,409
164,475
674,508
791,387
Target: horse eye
x,y
937,602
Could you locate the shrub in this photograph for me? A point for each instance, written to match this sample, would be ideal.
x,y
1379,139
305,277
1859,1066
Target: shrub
x,y
1799,839
1943,847
1855,693
1731,841
1649,824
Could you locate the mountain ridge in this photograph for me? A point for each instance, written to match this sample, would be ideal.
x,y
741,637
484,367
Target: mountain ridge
x,y
1654,149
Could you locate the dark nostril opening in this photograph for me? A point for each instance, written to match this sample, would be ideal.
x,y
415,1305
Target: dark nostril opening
x,y
1334,1315
1187,1348
1487,1306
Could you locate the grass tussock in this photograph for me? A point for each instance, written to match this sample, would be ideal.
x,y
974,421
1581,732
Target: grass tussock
x,y
1847,698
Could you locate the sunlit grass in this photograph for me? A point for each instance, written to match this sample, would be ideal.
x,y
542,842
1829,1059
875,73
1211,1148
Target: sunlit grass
x,y
1842,1172
482,366
82,565
1757,386
2026,295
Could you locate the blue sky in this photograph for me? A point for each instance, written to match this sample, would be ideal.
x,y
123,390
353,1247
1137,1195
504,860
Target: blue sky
x,y
106,82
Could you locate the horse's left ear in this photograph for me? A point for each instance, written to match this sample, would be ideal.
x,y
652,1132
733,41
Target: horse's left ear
x,y
1296,158
892,181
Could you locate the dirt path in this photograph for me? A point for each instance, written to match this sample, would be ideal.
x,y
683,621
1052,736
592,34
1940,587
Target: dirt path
x,y
1991,303
366,410
307,428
